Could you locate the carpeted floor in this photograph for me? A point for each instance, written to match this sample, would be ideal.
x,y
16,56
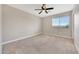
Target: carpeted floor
x,y
41,44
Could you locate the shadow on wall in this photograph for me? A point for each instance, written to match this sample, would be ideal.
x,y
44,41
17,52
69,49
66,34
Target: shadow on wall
x,y
76,26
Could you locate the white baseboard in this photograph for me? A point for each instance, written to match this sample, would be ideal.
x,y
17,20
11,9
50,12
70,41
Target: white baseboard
x,y
60,36
21,38
64,37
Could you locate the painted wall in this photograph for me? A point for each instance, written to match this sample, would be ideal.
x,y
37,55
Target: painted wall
x,y
0,27
49,29
76,26
17,23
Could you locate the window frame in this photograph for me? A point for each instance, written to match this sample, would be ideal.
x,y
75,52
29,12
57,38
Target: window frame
x,y
59,21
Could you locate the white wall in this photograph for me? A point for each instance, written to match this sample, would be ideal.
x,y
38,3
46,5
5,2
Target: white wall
x,y
0,29
17,23
49,29
76,26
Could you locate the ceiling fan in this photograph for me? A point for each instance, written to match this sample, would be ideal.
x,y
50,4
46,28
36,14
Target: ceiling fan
x,y
44,8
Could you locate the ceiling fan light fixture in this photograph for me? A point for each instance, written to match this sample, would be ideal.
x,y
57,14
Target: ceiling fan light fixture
x,y
44,8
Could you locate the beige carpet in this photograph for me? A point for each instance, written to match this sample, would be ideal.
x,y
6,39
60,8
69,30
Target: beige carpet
x,y
42,44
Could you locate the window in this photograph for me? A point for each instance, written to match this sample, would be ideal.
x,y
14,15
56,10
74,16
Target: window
x,y
62,21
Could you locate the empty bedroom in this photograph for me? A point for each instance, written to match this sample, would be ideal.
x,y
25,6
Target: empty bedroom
x,y
39,29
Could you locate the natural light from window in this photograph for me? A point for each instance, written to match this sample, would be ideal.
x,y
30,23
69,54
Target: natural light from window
x,y
62,21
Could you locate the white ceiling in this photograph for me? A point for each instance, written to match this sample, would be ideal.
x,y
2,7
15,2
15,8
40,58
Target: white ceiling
x,y
58,8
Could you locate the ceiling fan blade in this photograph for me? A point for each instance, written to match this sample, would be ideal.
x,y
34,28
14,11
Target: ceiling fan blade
x,y
46,11
38,9
49,8
40,12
